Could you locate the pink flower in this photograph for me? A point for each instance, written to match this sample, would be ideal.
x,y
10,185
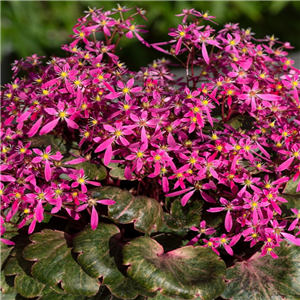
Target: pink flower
x,y
45,157
94,214
81,180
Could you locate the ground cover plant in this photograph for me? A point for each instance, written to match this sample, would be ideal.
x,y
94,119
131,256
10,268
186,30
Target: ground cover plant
x,y
121,184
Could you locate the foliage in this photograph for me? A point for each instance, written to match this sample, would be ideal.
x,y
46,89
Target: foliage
x,y
119,184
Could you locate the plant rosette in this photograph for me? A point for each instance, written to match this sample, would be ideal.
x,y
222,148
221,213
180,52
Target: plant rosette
x,y
120,184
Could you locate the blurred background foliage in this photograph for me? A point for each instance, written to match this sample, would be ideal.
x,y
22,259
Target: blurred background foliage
x,y
41,27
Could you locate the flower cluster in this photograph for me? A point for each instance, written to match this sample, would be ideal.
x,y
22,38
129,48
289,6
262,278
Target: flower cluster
x,y
229,136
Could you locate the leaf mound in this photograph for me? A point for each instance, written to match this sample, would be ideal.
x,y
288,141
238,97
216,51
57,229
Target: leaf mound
x,y
182,273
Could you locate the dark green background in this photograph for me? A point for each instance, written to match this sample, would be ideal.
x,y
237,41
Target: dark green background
x,y
41,27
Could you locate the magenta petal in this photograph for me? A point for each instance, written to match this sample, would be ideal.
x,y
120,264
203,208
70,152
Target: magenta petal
x,y
7,242
104,145
94,218
48,127
204,53
75,161
34,129
178,46
216,209
193,241
269,97
9,120
291,238
39,212
179,192
7,178
107,155
207,197
186,197
228,221
71,123
51,111
293,225
286,164
47,170
32,226
165,184
228,249
24,116
107,202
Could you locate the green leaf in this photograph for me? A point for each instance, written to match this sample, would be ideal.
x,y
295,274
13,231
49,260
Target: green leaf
x,y
159,296
117,171
169,241
291,187
98,261
7,283
10,296
183,216
92,171
146,213
55,263
277,6
264,278
102,261
23,282
42,141
294,201
182,273
241,122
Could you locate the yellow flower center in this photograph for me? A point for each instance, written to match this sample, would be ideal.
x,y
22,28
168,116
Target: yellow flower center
x,y
209,244
223,241
196,109
219,148
204,102
214,137
247,182
118,133
81,180
45,156
232,43
254,235
247,148
294,83
22,150
26,211
132,27
296,154
58,192
45,92
139,154
86,134
64,74
125,90
157,157
41,195
230,92
77,82
192,160
62,114
182,33
126,106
